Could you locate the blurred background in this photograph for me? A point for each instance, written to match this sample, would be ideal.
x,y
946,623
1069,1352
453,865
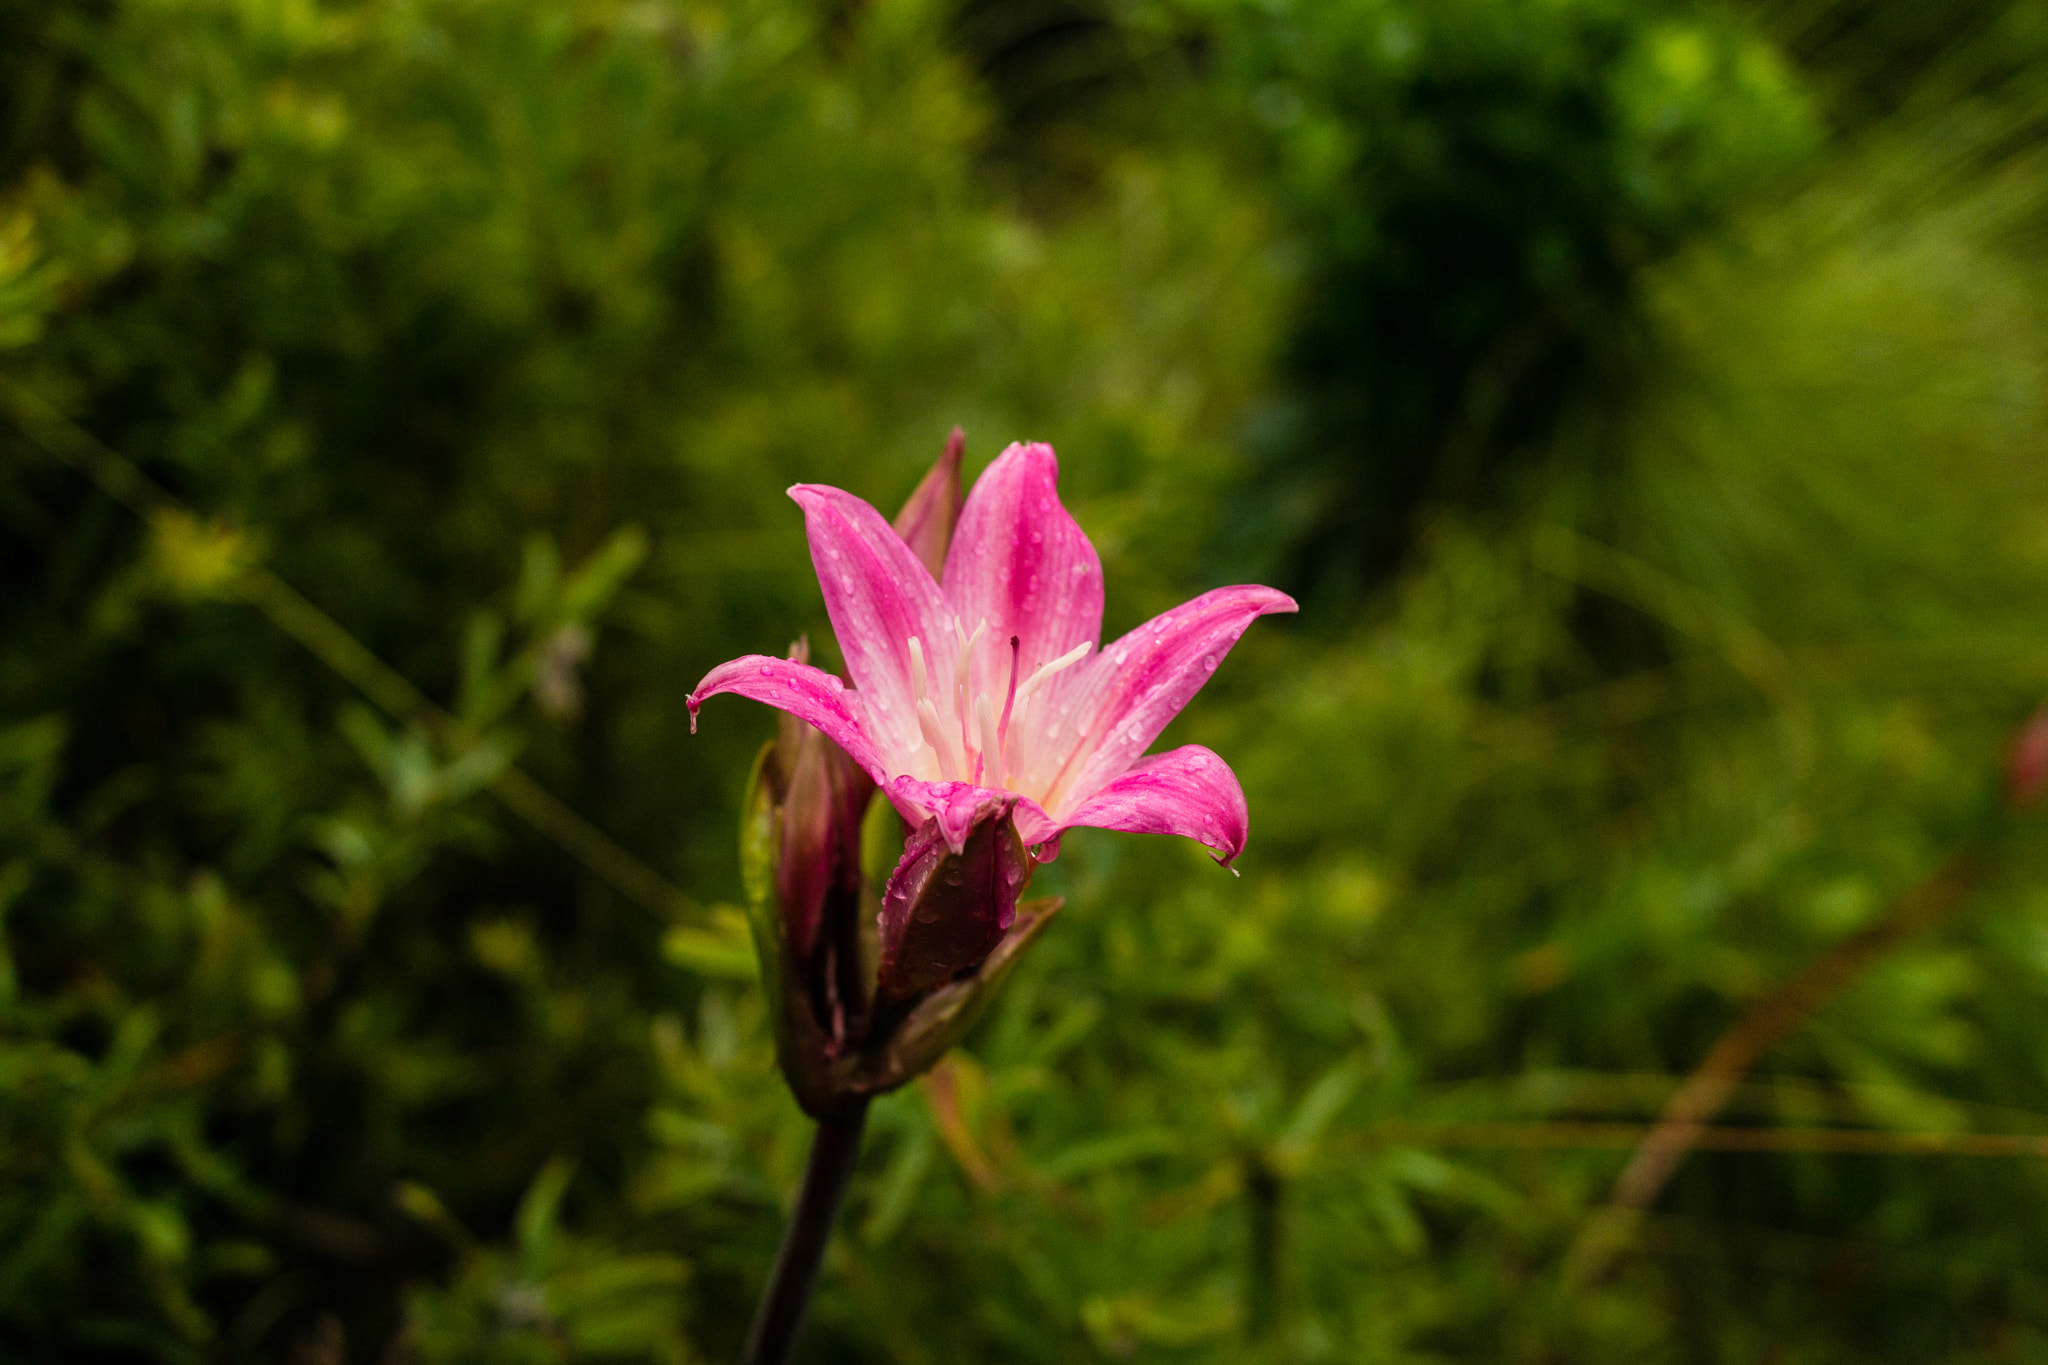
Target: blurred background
x,y
1646,400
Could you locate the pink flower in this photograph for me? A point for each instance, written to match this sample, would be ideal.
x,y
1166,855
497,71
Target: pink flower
x,y
989,684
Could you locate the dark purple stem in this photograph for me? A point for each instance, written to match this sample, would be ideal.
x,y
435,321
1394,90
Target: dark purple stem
x,y
834,1149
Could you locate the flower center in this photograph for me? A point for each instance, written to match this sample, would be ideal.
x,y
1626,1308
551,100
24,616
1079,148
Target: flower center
x,y
968,738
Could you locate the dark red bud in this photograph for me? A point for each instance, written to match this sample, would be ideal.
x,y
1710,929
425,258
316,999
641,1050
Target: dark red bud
x,y
824,796
943,911
926,521
2026,762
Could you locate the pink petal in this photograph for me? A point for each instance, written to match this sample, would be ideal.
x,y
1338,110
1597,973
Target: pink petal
x,y
1135,686
879,596
1021,563
955,804
1187,791
809,694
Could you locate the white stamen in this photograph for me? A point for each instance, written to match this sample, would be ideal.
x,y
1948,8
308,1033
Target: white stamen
x,y
1044,672
991,743
963,703
921,703
966,663
942,743
917,673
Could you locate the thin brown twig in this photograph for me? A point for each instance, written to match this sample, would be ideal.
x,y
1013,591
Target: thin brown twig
x,y
353,661
1684,1120
1572,1136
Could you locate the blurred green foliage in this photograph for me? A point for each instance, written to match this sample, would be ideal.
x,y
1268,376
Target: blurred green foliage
x,y
1648,397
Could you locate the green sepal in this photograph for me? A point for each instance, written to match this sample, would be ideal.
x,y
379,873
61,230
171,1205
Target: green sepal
x,y
882,833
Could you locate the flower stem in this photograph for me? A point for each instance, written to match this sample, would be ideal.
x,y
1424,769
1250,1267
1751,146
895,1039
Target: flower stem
x,y
834,1149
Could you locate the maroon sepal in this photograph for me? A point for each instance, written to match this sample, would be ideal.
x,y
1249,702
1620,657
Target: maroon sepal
x,y
943,911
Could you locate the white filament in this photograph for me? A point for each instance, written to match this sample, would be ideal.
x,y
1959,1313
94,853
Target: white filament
x,y
1044,672
966,739
991,742
917,673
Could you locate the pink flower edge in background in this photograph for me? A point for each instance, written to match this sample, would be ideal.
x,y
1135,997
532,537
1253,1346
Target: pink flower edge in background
x,y
989,684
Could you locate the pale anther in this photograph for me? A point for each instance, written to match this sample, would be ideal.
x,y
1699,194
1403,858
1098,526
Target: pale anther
x,y
1045,671
935,734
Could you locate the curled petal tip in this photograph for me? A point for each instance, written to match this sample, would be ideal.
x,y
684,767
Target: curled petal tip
x,y
695,706
1267,601
1187,791
809,694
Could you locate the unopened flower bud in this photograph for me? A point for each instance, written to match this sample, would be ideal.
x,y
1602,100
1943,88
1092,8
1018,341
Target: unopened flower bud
x,y
823,800
926,521
946,908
